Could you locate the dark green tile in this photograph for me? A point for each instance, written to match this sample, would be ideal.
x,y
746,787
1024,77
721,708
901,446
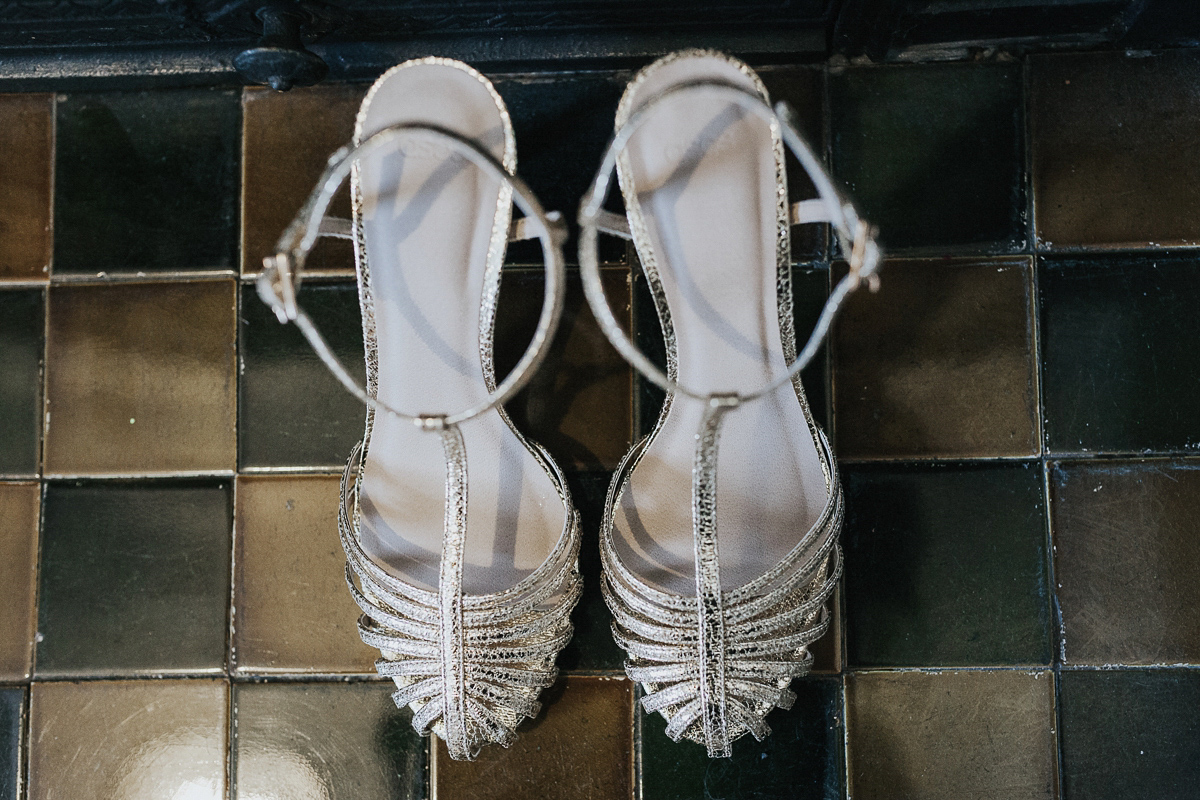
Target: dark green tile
x,y
802,758
134,577
562,125
579,402
591,646
1130,734
22,341
946,565
147,181
810,289
1120,366
11,700
336,741
933,154
1114,163
291,410
1126,556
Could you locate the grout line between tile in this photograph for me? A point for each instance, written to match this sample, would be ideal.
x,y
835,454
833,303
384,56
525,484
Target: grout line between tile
x,y
230,738
843,696
200,275
231,604
138,476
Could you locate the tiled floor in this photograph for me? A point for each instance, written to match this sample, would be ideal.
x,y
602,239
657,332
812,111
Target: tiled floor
x,y
1015,411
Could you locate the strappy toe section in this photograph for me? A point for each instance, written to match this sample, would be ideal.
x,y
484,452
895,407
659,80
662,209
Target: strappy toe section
x,y
719,543
466,578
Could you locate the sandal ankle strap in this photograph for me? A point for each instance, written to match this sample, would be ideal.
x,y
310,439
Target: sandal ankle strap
x,y
280,279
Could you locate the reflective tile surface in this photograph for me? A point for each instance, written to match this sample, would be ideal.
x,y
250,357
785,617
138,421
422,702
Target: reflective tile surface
x,y
802,758
1120,369
134,577
20,507
22,341
141,379
933,154
1130,733
146,181
26,167
951,735
580,746
292,411
1126,556
12,700
287,138
293,612
939,363
579,404
946,566
129,740
1113,161
333,741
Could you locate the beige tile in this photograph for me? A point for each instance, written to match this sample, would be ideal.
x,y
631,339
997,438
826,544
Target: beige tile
x,y
329,740
19,507
140,379
939,363
1126,557
26,175
293,610
128,740
951,735
580,746
286,140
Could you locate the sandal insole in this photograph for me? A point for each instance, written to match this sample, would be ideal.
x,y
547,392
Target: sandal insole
x,y
704,174
428,217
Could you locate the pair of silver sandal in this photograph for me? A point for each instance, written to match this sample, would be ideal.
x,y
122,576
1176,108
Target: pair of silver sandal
x,y
467,586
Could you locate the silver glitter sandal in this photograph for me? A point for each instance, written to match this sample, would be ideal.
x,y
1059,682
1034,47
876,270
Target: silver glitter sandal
x,y
467,596
716,600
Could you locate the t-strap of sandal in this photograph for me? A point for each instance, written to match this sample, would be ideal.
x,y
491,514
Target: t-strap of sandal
x,y
469,666
709,674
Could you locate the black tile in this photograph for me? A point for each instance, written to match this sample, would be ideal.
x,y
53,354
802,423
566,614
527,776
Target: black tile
x,y
562,124
1121,370
1114,161
1126,556
933,154
802,758
591,646
802,89
946,565
134,577
291,410
10,742
1130,734
810,290
22,341
147,181
336,741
